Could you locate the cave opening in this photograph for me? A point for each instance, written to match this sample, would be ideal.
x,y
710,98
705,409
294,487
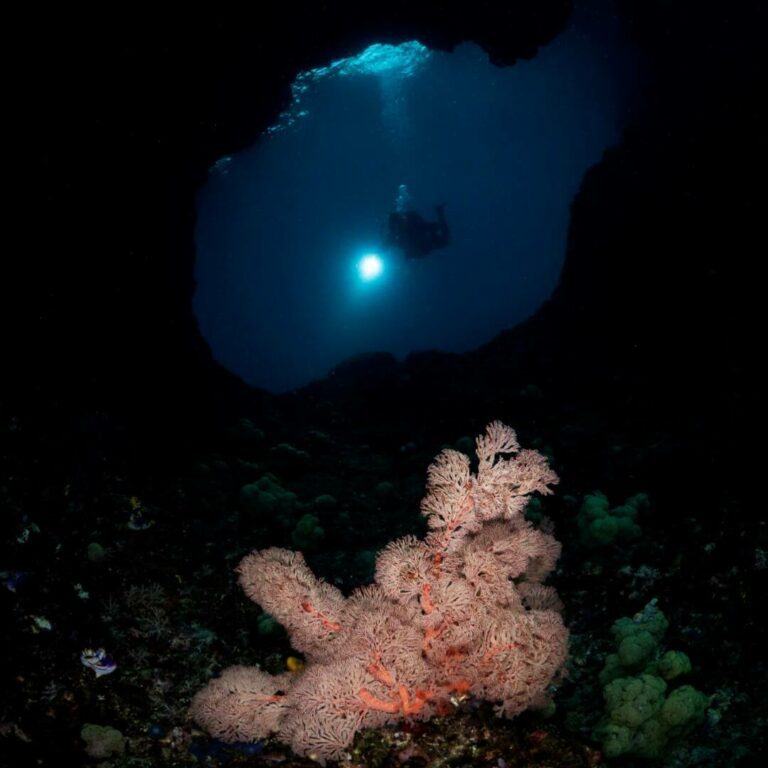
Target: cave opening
x,y
297,268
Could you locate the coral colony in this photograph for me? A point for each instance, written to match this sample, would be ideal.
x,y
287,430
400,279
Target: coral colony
x,y
461,613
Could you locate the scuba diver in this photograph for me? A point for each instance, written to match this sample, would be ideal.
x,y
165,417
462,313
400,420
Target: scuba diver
x,y
415,236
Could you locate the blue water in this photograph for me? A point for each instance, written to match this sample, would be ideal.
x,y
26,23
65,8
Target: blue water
x,y
282,226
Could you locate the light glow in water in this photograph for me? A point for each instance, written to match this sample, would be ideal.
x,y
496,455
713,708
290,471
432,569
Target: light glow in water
x,y
389,63
370,267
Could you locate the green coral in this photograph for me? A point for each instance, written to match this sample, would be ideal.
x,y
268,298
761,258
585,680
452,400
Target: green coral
x,y
630,701
365,564
267,498
307,534
673,664
268,625
534,512
287,458
102,741
600,525
95,552
637,640
325,502
641,718
684,705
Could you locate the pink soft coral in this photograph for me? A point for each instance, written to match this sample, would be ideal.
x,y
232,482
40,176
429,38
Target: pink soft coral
x,y
461,612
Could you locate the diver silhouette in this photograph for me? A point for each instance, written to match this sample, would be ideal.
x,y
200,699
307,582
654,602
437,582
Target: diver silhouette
x,y
415,236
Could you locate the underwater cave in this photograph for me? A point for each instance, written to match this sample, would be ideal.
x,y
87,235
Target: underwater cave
x,y
222,207
296,269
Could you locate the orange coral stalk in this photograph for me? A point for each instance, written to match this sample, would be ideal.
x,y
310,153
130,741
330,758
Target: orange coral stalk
x,y
461,686
466,507
429,635
376,670
330,625
375,703
426,604
411,707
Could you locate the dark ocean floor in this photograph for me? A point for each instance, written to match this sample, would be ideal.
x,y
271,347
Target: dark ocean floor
x,y
136,545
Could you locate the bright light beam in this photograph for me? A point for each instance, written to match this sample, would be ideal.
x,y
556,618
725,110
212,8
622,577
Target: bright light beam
x,y
370,267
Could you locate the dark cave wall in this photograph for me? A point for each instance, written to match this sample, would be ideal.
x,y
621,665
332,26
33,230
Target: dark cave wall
x,y
664,229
